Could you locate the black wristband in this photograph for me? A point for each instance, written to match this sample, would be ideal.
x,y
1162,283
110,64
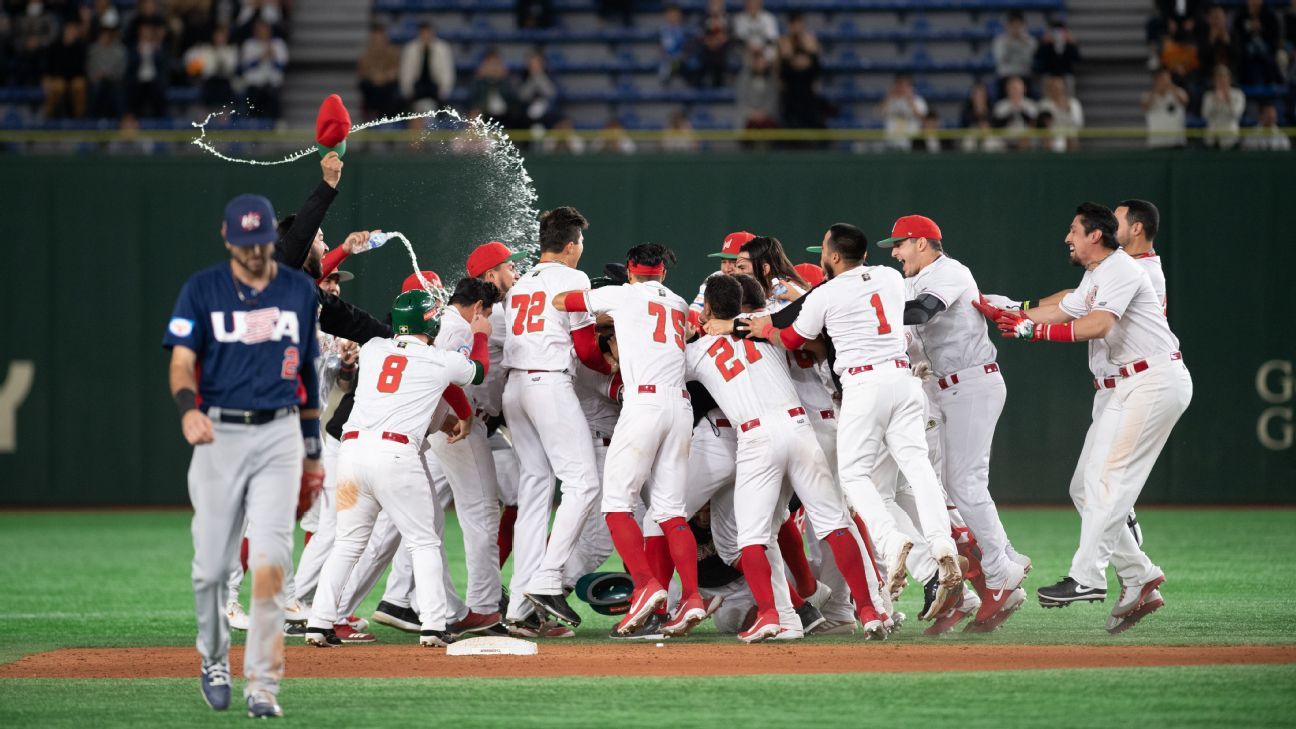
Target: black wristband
x,y
185,400
742,328
347,373
605,344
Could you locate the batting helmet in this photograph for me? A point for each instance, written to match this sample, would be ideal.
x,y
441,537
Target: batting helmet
x,y
607,592
414,312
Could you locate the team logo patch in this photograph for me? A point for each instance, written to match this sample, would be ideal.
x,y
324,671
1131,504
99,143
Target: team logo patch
x,y
464,349
251,221
181,327
1091,297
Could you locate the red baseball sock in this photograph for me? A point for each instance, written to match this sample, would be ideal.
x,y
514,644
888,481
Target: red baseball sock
x,y
629,542
659,562
683,551
794,556
868,544
505,538
307,538
797,602
756,568
851,564
972,551
243,554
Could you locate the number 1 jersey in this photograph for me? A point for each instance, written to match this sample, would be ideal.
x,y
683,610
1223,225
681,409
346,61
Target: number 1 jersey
x,y
400,384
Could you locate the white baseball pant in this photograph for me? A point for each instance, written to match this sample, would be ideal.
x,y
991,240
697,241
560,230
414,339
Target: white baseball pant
x,y
650,447
469,468
317,549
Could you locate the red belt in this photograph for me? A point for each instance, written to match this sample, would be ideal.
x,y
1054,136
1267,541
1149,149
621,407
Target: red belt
x,y
899,363
539,372
826,414
652,390
1136,367
1105,383
951,380
399,438
755,422
722,423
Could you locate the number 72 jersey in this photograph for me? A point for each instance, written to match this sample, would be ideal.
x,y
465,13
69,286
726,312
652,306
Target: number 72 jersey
x,y
400,385
538,335
649,321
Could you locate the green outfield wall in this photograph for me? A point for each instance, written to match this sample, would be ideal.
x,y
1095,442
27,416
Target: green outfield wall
x,y
97,248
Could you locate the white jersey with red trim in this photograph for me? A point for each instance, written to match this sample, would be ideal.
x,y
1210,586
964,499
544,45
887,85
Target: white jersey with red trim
x,y
400,384
456,335
538,335
594,390
649,320
862,310
747,378
1122,287
1099,363
956,338
489,395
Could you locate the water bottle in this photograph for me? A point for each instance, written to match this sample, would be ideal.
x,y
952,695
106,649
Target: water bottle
x,y
778,287
377,238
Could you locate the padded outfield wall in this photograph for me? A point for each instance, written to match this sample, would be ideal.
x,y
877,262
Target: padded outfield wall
x,y
97,249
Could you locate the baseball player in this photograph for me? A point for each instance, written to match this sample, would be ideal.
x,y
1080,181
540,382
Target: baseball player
x,y
400,384
970,395
1118,303
728,255
543,413
749,380
249,326
651,442
861,308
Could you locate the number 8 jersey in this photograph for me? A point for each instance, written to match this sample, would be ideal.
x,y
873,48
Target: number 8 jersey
x,y
400,385
649,321
539,336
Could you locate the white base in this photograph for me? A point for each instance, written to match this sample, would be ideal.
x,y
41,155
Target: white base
x,y
492,645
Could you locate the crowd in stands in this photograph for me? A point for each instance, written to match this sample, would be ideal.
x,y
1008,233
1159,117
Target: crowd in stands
x,y
91,59
1203,55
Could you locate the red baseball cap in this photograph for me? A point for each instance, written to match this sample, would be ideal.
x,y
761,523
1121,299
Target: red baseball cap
x,y
813,274
732,244
412,283
489,255
332,125
911,226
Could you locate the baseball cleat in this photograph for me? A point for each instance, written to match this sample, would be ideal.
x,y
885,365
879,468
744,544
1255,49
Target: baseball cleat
x,y
554,606
1131,523
949,585
897,621
435,638
531,627
712,604
263,705
766,627
643,602
215,684
1008,606
1067,591
475,623
895,568
1131,596
820,596
836,627
688,614
237,617
650,630
1153,603
294,630
810,616
395,616
947,622
357,622
1022,560
321,637
295,612
348,634
788,634
873,625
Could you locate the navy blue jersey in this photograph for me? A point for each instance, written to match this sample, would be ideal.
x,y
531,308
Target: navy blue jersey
x,y
250,348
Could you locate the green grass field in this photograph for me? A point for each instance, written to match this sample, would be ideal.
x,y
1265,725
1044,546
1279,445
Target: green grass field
x,y
122,579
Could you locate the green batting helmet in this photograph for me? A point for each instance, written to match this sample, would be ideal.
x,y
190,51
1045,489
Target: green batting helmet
x,y
607,592
415,312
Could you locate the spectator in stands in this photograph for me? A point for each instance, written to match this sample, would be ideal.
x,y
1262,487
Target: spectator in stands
x,y
613,139
65,75
1267,137
799,71
1217,46
193,20
673,41
103,14
252,12
931,141
902,113
756,26
562,139
1222,108
534,13
128,140
378,69
678,135
757,93
1289,25
1166,109
978,115
1014,50
1183,12
1179,53
713,45
34,31
491,89
215,64
147,73
146,14
537,94
427,70
1256,29
105,71
1058,54
262,62
1015,113
1067,118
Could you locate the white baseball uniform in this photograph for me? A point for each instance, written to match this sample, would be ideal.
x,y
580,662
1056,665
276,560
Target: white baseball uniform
x,y
1152,391
399,385
490,401
862,310
970,395
548,431
594,390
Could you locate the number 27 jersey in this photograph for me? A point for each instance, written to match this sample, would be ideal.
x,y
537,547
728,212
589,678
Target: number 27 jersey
x,y
400,385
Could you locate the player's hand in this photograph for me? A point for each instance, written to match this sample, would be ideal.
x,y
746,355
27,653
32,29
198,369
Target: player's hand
x,y
1002,302
1012,325
312,484
197,428
480,324
989,310
690,331
460,430
757,324
349,351
332,168
922,370
718,327
358,242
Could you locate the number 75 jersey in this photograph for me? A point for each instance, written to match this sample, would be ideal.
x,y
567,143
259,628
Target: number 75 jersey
x,y
649,320
538,336
400,385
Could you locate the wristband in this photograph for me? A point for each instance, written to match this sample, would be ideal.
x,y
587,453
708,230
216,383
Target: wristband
x,y
605,344
1055,332
767,331
185,399
741,329
1026,305
310,430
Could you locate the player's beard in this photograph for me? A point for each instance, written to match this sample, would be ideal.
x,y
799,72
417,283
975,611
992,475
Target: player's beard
x,y
1074,261
314,266
254,261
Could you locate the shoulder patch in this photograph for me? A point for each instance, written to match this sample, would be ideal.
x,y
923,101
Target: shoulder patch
x,y
464,349
181,327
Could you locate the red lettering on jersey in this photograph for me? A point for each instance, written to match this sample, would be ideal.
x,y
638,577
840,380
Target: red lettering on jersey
x,y
677,319
393,369
529,308
883,327
291,360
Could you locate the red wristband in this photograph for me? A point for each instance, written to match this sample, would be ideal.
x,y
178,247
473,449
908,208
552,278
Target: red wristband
x,y
575,301
1056,332
767,331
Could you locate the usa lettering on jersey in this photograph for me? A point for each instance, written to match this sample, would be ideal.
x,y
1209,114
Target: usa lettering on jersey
x,y
256,326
